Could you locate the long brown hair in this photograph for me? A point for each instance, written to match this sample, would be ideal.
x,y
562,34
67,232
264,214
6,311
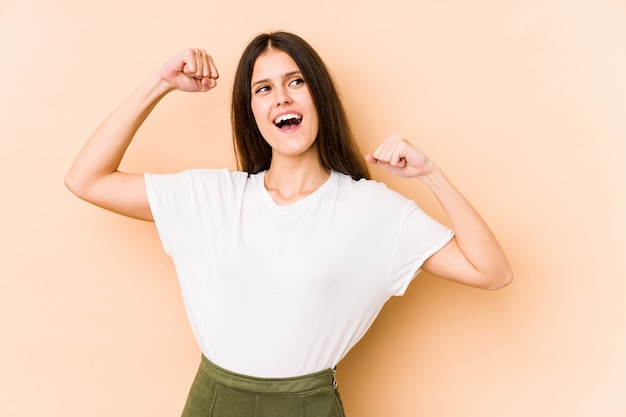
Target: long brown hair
x,y
337,146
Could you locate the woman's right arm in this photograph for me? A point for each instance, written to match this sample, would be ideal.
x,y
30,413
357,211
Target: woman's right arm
x,y
94,174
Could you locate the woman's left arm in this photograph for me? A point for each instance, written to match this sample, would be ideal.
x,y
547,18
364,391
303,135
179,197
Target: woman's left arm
x,y
474,256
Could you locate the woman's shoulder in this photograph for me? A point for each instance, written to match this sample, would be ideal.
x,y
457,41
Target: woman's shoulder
x,y
363,185
199,179
213,173
206,174
368,189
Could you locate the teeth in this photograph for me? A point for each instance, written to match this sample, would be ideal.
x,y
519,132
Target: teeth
x,y
286,117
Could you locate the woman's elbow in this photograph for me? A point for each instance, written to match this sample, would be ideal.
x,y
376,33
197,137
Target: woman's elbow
x,y
74,184
82,186
498,280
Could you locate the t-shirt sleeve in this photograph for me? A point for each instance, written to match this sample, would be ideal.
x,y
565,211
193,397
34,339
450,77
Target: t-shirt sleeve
x,y
168,196
420,236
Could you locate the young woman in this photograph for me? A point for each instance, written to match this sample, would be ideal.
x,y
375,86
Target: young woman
x,y
284,264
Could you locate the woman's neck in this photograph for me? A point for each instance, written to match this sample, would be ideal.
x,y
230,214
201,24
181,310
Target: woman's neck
x,y
290,181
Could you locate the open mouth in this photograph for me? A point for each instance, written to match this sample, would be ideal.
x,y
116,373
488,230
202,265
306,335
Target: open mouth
x,y
288,120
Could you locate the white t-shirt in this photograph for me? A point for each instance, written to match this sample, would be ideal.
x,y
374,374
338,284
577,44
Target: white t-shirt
x,y
280,291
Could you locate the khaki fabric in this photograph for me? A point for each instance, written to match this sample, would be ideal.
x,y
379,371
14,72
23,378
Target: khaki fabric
x,y
216,392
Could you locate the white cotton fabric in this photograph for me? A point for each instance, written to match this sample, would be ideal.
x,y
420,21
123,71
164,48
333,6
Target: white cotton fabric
x,y
280,291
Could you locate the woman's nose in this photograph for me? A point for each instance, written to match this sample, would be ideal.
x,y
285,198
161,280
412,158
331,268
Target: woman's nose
x,y
282,96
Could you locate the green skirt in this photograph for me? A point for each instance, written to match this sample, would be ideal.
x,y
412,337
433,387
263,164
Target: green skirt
x,y
216,392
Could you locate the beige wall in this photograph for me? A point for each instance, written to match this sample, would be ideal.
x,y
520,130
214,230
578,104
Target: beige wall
x,y
522,102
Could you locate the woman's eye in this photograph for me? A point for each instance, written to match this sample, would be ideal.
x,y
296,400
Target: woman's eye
x,y
297,81
262,89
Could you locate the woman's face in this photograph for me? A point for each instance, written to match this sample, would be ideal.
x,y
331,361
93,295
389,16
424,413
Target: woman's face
x,y
282,105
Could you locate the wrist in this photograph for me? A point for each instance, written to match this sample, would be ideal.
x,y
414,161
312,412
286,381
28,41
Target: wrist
x,y
433,176
154,88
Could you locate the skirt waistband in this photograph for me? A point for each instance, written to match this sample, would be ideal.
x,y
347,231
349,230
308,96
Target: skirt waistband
x,y
291,385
